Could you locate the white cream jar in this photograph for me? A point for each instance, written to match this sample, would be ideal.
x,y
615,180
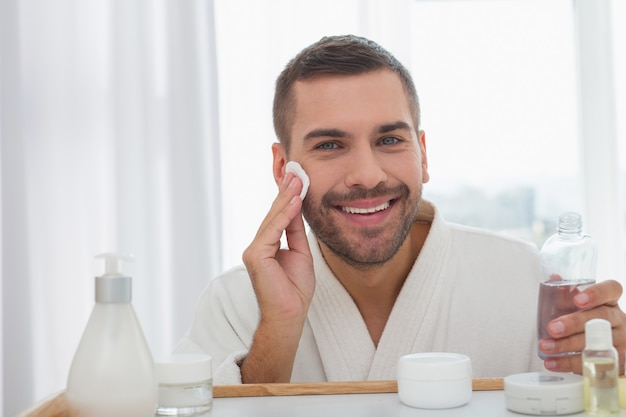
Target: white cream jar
x,y
544,393
435,380
185,385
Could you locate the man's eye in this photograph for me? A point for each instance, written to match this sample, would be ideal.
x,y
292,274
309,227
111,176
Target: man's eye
x,y
389,140
327,146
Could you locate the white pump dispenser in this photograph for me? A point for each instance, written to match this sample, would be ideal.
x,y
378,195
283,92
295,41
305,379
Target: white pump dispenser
x,y
112,373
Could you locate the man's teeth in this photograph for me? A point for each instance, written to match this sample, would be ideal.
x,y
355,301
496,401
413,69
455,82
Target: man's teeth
x,y
354,210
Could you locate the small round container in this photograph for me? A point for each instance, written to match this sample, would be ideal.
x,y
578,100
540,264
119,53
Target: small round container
x,y
185,385
544,393
435,380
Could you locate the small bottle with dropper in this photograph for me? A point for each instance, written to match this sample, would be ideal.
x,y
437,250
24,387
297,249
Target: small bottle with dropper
x,y
112,373
600,370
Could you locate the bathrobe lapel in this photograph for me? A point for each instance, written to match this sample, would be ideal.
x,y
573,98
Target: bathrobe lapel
x,y
416,323
344,343
342,338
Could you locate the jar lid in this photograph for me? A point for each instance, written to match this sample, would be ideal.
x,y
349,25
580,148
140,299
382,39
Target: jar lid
x,y
183,369
434,366
541,393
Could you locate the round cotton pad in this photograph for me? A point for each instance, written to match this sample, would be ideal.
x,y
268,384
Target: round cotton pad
x,y
295,167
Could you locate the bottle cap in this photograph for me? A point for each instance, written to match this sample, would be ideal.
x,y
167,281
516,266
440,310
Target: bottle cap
x,y
570,222
113,286
598,335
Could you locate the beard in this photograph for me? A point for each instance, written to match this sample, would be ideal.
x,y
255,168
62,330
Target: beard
x,y
363,247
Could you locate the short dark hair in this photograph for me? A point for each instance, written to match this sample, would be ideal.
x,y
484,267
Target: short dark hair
x,y
346,54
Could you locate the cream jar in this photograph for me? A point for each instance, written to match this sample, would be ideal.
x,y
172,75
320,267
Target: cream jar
x,y
435,380
185,385
544,393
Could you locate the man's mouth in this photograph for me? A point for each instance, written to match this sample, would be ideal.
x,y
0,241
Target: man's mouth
x,y
369,210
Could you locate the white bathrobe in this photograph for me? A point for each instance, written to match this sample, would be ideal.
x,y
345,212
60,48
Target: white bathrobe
x,y
470,291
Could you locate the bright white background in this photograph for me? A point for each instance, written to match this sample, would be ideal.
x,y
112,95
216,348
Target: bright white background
x,y
498,84
146,127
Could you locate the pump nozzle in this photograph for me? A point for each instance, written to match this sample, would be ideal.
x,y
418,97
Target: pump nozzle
x,y
113,262
112,286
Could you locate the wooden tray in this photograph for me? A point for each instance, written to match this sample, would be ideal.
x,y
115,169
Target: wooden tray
x,y
325,388
55,405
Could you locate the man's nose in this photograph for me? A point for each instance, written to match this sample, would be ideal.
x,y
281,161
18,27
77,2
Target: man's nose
x,y
364,169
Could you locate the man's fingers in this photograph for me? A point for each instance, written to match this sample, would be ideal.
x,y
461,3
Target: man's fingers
x,y
603,293
572,363
285,208
573,323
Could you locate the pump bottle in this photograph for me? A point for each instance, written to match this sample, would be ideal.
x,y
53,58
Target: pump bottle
x,y
600,370
568,265
112,373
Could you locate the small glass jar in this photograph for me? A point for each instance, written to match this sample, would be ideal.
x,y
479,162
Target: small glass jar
x,y
185,385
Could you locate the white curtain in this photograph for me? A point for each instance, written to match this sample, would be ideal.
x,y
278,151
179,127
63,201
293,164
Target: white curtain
x,y
109,141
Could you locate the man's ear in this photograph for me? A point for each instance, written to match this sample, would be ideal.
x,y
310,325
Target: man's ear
x,y
280,160
422,143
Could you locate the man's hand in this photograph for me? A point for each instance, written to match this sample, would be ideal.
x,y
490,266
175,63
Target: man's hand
x,y
568,332
284,282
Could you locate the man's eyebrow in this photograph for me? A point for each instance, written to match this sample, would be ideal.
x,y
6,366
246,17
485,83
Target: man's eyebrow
x,y
326,133
337,133
386,128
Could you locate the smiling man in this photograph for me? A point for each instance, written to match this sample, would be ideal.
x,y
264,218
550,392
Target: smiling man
x,y
381,274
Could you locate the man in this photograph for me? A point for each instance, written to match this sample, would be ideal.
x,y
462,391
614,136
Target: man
x,y
381,274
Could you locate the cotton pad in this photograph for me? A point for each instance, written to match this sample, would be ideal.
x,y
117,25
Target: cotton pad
x,y
295,167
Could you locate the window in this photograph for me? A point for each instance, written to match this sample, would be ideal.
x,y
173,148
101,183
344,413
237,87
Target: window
x,y
498,86
497,82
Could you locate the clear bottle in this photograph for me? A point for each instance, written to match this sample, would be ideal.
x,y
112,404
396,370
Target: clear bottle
x,y
600,370
568,265
112,373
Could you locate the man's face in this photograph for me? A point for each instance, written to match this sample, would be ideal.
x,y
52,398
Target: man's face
x,y
355,137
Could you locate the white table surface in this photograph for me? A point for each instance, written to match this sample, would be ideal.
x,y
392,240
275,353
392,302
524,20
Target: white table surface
x,y
482,404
